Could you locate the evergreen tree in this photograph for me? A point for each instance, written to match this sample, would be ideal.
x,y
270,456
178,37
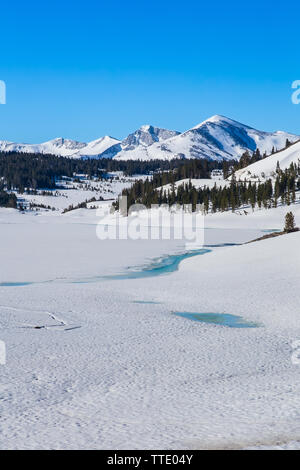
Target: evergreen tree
x,y
289,222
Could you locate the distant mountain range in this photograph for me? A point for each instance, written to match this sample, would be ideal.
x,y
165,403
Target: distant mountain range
x,y
63,147
216,138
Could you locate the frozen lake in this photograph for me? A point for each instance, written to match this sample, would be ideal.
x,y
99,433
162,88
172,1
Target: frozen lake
x,y
108,365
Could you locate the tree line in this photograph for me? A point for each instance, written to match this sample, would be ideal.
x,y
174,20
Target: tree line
x,y
23,171
26,172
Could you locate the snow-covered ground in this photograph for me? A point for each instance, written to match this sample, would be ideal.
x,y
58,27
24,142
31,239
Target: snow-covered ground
x,y
197,183
89,366
74,193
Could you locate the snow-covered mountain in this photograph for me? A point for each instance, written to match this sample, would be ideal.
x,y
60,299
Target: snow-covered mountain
x,y
107,147
59,146
145,136
63,147
98,147
216,138
139,140
266,168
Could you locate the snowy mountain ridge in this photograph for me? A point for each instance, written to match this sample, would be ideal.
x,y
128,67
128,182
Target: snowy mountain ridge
x,y
62,147
216,138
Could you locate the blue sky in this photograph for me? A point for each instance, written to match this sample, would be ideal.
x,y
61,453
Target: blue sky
x,y
83,69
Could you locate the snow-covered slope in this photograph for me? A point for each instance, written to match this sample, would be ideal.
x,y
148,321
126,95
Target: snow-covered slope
x,y
197,183
266,168
63,147
216,138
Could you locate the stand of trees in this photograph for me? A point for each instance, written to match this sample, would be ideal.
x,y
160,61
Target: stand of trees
x,y
237,194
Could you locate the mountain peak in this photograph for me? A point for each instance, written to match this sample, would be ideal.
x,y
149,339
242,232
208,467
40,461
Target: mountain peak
x,y
62,142
145,128
145,136
220,120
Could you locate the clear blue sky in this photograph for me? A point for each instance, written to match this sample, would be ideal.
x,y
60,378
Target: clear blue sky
x,y
83,69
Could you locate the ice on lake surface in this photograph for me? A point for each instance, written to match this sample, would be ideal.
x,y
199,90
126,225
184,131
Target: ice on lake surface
x,y
271,230
15,284
224,319
164,265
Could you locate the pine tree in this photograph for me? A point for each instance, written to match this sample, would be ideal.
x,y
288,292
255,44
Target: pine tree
x,y
289,222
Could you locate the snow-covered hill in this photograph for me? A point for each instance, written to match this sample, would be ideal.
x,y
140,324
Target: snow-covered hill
x,y
216,138
266,168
